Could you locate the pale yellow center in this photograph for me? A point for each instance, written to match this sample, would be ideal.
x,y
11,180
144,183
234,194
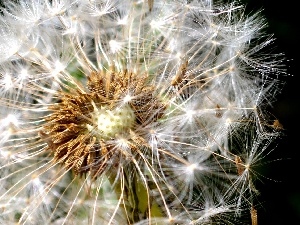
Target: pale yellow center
x,y
110,123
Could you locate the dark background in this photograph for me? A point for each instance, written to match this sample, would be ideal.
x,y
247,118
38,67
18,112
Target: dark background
x,y
279,191
279,199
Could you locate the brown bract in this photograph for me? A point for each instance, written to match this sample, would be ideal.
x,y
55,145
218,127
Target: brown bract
x,y
72,131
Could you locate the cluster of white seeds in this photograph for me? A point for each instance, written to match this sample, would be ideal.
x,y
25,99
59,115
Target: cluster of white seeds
x,y
133,111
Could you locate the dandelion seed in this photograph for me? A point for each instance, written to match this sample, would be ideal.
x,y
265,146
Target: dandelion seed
x,y
253,216
150,4
240,167
277,125
180,75
218,111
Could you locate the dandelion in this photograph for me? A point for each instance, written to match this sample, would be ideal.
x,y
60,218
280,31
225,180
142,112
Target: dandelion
x,y
133,112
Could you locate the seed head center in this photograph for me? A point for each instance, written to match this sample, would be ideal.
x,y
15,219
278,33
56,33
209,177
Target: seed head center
x,y
82,126
110,123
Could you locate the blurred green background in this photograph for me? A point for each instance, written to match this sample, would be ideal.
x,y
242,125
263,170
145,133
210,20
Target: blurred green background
x,y
279,197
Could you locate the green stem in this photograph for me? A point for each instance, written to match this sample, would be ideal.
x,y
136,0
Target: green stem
x,y
133,195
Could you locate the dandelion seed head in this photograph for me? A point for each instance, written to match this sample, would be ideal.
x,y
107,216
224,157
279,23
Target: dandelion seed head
x,y
115,46
155,24
110,107
36,181
123,21
71,30
178,55
190,168
10,120
59,66
190,113
24,74
8,83
228,121
122,143
127,98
